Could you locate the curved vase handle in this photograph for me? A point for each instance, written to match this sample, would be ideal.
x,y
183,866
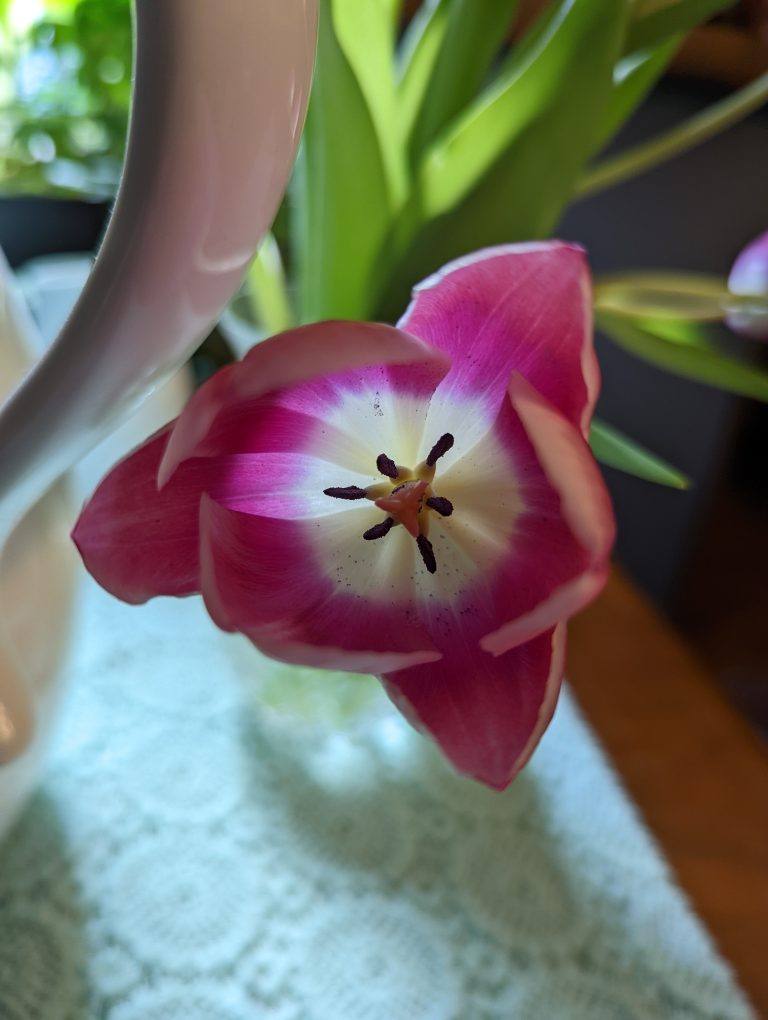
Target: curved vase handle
x,y
219,100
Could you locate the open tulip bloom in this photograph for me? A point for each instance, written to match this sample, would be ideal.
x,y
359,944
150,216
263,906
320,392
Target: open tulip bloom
x,y
417,502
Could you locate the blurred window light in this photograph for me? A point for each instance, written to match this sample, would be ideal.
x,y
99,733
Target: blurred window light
x,y
22,14
42,147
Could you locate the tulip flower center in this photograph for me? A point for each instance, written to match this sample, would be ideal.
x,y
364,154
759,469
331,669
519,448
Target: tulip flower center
x,y
406,498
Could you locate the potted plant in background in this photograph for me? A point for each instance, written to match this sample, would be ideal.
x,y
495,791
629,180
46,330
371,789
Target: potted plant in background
x,y
65,84
422,143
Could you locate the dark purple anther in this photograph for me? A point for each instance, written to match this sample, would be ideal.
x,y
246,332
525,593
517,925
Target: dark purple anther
x,y
442,446
348,492
443,506
386,465
379,530
427,553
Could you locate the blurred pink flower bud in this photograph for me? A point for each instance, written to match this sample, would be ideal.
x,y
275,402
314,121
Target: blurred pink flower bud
x,y
749,276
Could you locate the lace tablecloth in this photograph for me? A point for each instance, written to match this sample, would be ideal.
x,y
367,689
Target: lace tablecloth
x,y
192,856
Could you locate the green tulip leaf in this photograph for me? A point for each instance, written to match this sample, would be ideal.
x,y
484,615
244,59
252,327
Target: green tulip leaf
x,y
653,21
267,291
633,78
701,364
472,33
535,96
529,41
341,196
504,169
643,295
416,59
366,35
616,450
680,331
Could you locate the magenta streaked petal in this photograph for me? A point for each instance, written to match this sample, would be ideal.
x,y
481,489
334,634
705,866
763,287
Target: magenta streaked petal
x,y
266,425
486,713
569,465
526,308
559,559
261,576
284,361
548,704
749,275
559,556
565,600
137,542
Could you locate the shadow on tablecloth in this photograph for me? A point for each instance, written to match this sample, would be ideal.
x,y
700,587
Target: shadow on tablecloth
x,y
42,963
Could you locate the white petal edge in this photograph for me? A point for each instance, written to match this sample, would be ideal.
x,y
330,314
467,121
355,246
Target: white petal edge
x,y
549,703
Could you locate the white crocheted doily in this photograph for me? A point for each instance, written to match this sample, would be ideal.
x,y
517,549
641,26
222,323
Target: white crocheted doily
x,y
192,856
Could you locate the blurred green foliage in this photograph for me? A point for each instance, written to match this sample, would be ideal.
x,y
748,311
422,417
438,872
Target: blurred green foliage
x,y
423,141
457,133
65,74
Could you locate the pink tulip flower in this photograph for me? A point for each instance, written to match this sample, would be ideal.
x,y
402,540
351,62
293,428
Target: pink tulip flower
x,y
749,276
416,502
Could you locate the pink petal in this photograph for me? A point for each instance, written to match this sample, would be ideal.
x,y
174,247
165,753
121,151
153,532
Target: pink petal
x,y
559,558
137,542
291,358
521,307
264,424
486,714
260,575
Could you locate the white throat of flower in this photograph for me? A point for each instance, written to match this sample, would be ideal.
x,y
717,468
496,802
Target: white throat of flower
x,y
384,529
407,498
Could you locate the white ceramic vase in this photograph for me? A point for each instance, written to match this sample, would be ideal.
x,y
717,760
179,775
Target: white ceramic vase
x,y
37,585
219,98
39,568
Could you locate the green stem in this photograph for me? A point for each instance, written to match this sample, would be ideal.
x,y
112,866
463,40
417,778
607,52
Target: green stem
x,y
268,292
697,129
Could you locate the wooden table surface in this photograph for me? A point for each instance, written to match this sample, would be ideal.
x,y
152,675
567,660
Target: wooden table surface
x,y
693,765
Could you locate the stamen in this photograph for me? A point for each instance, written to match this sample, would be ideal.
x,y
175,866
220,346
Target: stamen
x,y
442,505
386,465
346,492
442,446
427,553
379,530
